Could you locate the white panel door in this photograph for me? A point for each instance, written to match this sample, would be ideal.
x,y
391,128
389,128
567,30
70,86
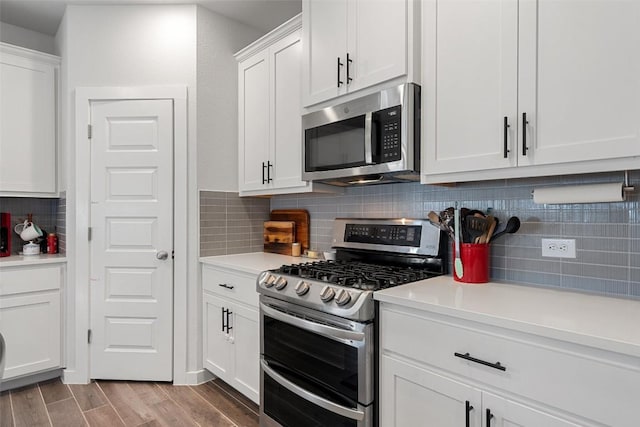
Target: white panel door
x,y
506,413
324,23
132,229
286,129
411,396
246,340
470,87
218,352
579,80
377,41
253,119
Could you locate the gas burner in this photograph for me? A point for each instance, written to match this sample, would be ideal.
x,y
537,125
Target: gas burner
x,y
355,274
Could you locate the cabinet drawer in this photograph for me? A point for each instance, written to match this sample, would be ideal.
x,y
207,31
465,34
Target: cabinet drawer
x,y
573,378
238,286
17,280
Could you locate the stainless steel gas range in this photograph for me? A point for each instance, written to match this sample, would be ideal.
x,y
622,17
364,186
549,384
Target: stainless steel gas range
x,y
317,321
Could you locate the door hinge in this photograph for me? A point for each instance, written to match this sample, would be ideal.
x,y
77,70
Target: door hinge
x,y
89,131
89,336
173,254
89,233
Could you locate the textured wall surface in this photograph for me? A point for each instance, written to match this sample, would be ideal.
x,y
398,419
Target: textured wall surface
x,y
230,224
607,234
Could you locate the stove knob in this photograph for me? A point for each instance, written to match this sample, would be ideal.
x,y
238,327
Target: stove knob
x,y
343,297
268,280
281,283
302,288
327,293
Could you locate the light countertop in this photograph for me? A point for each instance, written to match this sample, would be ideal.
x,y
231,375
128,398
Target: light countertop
x,y
597,321
18,260
255,262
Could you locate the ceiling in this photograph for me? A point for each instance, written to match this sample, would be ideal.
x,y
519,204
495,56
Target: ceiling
x,y
44,16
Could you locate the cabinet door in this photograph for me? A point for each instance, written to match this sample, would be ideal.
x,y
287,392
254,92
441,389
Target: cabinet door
x,y
377,41
469,75
412,396
31,327
217,350
253,121
286,128
511,414
27,126
579,85
246,343
325,41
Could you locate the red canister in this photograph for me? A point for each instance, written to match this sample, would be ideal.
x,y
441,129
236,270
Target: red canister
x,y
52,243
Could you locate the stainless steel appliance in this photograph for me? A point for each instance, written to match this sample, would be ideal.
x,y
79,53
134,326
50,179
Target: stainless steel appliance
x,y
369,140
318,328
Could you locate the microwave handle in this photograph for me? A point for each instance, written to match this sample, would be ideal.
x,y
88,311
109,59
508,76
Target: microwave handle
x,y
368,143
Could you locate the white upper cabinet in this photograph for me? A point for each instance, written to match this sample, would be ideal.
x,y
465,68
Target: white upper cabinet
x,y
354,44
470,86
270,115
528,88
579,80
28,82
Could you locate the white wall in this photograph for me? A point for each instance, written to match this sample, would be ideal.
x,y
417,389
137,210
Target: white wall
x,y
27,38
143,45
217,82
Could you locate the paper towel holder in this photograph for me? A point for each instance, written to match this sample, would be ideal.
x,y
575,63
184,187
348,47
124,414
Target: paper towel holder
x,y
578,193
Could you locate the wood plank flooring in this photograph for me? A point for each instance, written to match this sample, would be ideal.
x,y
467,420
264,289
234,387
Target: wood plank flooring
x,y
126,403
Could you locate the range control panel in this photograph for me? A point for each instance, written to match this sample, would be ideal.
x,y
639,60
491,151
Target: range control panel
x,y
380,234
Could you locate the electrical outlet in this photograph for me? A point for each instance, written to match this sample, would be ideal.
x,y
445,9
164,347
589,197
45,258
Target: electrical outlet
x,y
559,248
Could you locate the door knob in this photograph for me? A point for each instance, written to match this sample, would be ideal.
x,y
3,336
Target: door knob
x,y
162,255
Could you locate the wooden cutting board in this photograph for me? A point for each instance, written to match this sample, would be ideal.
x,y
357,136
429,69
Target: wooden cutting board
x,y
278,236
302,220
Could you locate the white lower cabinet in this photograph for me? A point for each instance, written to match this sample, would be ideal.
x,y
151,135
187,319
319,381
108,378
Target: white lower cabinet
x,y
231,341
30,319
439,370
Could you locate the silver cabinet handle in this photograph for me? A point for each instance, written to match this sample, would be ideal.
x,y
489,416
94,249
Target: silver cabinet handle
x,y
162,255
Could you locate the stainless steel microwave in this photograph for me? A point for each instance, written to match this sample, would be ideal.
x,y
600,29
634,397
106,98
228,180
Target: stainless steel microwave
x,y
373,139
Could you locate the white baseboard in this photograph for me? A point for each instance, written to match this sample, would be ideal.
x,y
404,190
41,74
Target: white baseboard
x,y
70,376
196,377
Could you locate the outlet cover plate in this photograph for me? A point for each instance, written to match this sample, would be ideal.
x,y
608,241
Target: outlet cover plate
x,y
559,248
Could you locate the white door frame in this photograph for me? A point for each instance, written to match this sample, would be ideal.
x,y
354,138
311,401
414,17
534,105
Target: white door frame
x,y
185,220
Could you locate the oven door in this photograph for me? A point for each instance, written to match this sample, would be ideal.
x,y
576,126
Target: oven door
x,y
323,364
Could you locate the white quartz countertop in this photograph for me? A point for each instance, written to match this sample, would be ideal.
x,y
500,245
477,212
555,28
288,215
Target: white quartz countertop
x,y
18,260
601,322
255,262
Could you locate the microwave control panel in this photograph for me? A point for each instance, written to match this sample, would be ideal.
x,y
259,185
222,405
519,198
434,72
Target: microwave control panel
x,y
388,125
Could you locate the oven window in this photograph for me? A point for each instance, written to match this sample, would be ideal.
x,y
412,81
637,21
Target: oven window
x,y
335,146
290,410
326,362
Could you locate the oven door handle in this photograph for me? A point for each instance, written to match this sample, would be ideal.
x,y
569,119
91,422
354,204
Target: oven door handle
x,y
324,330
310,397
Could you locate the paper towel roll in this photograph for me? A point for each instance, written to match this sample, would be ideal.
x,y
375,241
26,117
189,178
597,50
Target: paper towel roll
x,y
592,193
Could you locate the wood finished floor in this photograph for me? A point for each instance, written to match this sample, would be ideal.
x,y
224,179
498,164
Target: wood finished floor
x,y
126,403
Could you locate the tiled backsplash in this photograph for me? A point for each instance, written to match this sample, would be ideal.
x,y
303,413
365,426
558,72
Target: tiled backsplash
x,y
230,224
45,215
607,234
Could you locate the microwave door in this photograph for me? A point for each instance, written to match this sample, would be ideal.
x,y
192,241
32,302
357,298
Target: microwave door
x,y
338,145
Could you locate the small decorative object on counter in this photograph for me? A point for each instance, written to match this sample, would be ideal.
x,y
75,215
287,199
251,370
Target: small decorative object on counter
x,y
295,249
52,243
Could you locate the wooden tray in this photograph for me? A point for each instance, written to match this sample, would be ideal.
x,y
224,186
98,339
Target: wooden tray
x,y
302,220
278,236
